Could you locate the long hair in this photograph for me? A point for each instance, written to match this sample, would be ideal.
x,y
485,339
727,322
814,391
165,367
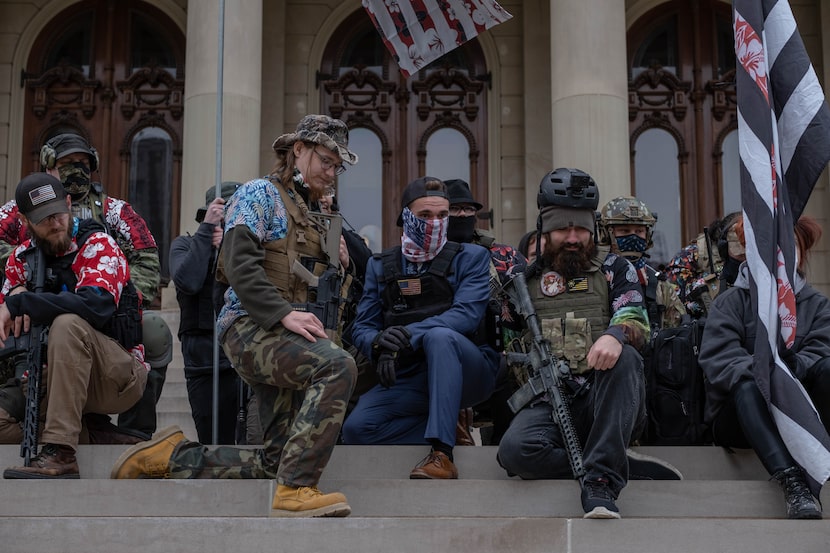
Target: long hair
x,y
283,168
807,233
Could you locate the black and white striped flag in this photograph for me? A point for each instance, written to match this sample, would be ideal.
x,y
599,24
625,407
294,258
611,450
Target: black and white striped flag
x,y
784,140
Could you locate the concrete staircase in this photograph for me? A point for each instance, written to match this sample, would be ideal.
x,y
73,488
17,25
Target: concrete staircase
x,y
725,504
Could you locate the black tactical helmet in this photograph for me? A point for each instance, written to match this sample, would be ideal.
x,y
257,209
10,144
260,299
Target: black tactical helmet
x,y
568,188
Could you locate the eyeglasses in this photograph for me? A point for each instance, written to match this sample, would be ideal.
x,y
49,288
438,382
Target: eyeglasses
x,y
466,210
327,163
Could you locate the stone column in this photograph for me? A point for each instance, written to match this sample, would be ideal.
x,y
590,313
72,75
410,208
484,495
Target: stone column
x,y
589,92
242,85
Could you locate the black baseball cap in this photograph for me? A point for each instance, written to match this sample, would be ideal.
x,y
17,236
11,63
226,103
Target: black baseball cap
x,y
40,195
418,189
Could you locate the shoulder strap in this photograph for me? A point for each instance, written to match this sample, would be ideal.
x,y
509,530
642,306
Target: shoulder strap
x,y
442,264
391,261
85,228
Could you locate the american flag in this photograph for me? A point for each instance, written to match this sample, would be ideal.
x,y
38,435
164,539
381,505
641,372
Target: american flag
x,y
784,140
417,32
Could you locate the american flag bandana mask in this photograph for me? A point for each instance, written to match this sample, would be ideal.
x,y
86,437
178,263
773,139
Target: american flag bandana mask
x,y
422,238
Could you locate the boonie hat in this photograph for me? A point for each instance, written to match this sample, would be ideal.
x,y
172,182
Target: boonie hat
x,y
40,195
320,129
418,189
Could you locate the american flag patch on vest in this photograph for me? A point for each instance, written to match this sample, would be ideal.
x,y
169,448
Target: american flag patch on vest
x,y
410,286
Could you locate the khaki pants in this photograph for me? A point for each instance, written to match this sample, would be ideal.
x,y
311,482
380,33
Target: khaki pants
x,y
88,372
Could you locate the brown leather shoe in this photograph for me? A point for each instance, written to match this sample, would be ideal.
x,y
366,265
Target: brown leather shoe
x,y
435,465
54,461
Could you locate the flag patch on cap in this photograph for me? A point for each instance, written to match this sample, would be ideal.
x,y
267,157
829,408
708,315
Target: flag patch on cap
x,y
42,194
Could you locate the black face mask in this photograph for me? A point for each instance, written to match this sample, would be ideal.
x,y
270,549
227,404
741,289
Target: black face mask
x,y
461,229
730,270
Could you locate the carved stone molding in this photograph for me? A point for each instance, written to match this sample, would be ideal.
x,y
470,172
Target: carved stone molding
x,y
152,88
658,90
63,86
361,92
449,90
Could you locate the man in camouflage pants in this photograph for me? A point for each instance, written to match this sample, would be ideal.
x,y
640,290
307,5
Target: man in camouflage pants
x,y
302,379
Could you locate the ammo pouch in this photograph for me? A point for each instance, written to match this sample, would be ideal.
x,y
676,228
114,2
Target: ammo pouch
x,y
125,325
570,339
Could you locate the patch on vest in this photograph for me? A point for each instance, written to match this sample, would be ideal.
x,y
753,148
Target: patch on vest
x,y
410,286
579,284
552,284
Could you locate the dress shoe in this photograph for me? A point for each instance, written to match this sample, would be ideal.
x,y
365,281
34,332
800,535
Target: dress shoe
x,y
463,436
308,501
150,459
436,465
54,461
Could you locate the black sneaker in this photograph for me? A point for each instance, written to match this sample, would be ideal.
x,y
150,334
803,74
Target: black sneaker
x,y
598,500
646,467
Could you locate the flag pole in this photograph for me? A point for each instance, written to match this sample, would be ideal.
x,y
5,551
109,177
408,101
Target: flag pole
x,y
219,91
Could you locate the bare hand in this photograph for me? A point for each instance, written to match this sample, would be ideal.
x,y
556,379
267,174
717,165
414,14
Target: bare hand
x,y
216,240
5,323
215,212
344,253
605,352
305,324
21,322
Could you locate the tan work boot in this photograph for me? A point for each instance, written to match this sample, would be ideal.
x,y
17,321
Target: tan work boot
x,y
308,502
149,459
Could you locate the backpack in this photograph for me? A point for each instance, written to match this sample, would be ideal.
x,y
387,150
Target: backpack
x,y
675,394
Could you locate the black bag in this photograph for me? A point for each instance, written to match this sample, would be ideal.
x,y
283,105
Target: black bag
x,y
675,394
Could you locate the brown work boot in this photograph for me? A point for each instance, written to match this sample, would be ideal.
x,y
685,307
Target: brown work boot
x,y
463,434
436,465
308,502
54,461
150,459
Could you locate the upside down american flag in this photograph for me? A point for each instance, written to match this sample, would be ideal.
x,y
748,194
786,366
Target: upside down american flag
x,y
784,142
417,32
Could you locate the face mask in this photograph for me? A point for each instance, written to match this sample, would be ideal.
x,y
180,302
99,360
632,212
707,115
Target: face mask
x,y
630,246
75,178
422,239
461,229
730,270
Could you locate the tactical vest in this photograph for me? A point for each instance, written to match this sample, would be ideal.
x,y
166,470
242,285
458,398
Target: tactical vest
x,y
654,309
412,298
125,324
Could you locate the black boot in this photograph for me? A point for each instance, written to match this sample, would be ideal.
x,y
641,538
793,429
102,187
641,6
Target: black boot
x,y
800,502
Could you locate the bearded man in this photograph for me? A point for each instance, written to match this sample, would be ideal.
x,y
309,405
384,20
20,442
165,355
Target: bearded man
x,y
590,306
94,365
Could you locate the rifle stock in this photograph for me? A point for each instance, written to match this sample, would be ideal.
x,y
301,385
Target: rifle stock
x,y
34,365
545,374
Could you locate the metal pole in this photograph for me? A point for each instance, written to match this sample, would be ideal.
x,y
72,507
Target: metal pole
x,y
220,64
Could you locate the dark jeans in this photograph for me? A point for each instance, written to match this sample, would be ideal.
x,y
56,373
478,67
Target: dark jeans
x,y
141,417
607,417
197,351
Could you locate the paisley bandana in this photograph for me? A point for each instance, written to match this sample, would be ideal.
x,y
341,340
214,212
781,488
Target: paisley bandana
x,y
422,239
632,247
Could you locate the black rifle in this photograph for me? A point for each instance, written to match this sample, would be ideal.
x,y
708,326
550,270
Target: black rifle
x,y
545,374
326,287
34,364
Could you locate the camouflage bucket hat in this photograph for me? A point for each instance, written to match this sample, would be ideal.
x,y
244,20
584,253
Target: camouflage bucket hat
x,y
323,130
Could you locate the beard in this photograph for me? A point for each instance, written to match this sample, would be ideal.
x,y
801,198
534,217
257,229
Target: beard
x,y
569,263
55,242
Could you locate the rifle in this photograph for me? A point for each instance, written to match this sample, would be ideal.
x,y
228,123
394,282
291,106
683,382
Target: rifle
x,y
326,287
34,364
545,374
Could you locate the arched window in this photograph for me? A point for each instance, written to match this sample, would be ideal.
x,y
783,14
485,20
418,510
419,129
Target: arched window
x,y
359,193
151,182
447,155
658,186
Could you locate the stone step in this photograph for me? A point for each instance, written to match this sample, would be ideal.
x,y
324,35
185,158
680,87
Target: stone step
x,y
389,498
351,462
154,534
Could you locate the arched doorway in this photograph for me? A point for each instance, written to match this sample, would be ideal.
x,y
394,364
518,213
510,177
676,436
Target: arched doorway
x,y
114,73
433,123
681,64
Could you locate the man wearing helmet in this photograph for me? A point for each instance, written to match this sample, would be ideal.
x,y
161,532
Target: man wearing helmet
x,y
627,225
590,306
70,158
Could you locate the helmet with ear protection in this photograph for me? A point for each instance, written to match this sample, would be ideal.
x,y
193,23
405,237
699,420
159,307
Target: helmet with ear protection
x,y
64,144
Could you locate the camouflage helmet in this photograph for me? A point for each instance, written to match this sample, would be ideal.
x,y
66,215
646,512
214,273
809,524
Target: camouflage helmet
x,y
626,210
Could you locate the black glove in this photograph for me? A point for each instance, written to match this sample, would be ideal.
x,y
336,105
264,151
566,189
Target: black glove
x,y
386,367
392,339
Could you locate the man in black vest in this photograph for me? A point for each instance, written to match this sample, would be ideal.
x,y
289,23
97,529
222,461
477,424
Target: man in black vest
x,y
419,322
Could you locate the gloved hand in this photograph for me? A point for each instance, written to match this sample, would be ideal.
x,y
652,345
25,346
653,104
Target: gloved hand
x,y
392,339
386,367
